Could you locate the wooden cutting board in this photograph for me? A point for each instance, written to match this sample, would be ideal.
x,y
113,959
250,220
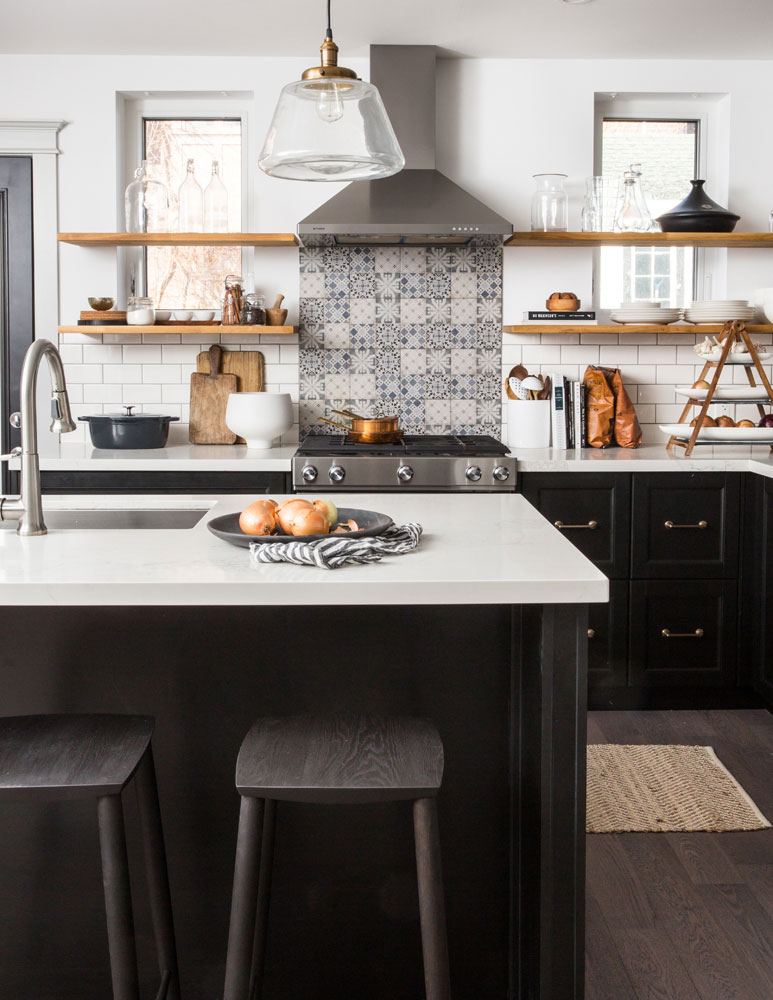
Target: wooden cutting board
x,y
247,366
209,397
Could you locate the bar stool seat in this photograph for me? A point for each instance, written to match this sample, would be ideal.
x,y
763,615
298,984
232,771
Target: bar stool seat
x,y
46,758
333,759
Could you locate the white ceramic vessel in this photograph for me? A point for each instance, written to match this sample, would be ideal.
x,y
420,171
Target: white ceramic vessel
x,y
259,417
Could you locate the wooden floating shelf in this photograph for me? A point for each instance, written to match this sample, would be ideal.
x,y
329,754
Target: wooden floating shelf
x,y
179,239
207,328
640,240
553,327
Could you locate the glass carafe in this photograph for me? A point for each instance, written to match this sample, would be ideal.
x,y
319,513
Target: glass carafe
x,y
191,203
629,215
215,203
146,204
641,201
550,204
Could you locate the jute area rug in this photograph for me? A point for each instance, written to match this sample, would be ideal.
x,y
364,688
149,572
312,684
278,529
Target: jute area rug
x,y
666,789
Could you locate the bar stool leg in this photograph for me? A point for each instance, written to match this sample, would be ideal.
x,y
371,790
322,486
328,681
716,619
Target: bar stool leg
x,y
431,902
244,900
157,874
264,900
118,900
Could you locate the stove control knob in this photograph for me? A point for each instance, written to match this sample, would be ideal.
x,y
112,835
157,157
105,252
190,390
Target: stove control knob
x,y
336,474
473,473
309,473
405,473
501,473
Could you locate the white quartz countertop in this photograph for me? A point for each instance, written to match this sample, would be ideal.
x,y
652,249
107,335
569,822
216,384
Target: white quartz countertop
x,y
178,456
476,549
649,458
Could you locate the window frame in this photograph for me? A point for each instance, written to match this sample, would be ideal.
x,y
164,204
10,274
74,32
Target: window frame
x,y
132,260
673,107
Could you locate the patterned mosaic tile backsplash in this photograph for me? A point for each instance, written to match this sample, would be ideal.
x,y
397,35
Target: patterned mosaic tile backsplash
x,y
413,331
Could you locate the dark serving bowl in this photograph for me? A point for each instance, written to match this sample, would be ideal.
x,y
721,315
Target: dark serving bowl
x,y
128,430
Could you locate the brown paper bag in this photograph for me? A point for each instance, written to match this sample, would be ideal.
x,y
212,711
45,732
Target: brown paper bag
x,y
599,408
627,429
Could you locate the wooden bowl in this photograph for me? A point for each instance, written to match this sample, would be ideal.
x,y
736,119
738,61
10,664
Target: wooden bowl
x,y
563,302
276,317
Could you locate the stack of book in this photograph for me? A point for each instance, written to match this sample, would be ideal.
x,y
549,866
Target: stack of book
x,y
535,316
567,413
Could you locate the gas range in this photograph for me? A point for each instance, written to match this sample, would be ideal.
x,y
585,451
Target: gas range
x,y
421,463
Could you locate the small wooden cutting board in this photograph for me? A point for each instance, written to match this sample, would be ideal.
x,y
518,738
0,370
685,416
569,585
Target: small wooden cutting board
x,y
209,397
247,366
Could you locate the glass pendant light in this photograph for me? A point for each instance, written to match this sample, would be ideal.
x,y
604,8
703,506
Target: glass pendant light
x,y
330,126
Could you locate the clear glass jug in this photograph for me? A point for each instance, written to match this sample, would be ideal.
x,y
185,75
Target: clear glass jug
x,y
146,204
190,203
631,217
550,204
215,203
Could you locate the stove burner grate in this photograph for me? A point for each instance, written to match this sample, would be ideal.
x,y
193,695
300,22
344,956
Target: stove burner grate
x,y
452,445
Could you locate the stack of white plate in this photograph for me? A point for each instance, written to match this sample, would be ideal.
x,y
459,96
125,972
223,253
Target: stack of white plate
x,y
644,312
719,311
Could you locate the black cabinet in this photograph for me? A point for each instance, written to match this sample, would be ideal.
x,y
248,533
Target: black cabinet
x,y
608,639
593,511
685,525
682,632
163,482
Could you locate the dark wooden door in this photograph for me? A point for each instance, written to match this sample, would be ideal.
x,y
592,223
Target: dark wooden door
x,y
608,639
17,319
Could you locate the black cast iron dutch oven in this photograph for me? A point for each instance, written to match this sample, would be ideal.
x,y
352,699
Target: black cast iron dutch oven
x,y
128,430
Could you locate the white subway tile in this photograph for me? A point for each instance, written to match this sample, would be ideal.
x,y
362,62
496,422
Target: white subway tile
x,y
637,338
102,393
142,354
598,338
75,393
680,339
244,338
80,338
618,354
120,338
685,355
83,373
84,410
656,394
185,413
176,393
102,354
658,355
292,388
170,409
522,338
137,394
184,354
289,353
270,352
71,354
511,355
583,354
645,412
121,373
669,414
284,373
195,338
560,338
164,338
161,373
676,374
638,373
541,355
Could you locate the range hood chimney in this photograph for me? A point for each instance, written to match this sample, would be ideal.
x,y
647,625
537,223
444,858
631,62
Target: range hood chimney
x,y
419,205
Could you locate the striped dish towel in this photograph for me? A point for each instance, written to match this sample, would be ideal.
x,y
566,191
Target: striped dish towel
x,y
330,553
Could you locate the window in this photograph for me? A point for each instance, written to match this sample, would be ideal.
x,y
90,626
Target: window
x,y
192,277
667,150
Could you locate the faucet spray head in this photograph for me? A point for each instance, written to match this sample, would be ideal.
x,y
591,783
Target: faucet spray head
x,y
61,417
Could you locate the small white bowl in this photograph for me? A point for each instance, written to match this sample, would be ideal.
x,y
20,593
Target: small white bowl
x,y
259,417
206,317
183,314
163,314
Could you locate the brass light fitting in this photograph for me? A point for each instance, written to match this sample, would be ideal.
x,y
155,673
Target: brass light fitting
x,y
329,68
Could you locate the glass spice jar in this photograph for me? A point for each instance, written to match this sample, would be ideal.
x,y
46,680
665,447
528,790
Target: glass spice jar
x,y
232,301
140,311
254,310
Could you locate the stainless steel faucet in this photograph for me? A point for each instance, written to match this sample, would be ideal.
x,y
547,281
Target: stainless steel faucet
x,y
27,508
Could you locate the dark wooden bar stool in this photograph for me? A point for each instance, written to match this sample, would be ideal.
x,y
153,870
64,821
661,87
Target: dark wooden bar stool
x,y
333,759
53,757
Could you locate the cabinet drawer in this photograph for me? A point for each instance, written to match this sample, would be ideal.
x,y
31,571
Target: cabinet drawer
x,y
593,510
685,525
683,632
608,638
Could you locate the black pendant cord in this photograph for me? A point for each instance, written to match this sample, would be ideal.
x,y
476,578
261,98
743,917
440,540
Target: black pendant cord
x,y
329,29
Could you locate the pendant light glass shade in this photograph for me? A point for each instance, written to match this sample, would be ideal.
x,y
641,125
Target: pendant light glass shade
x,y
330,126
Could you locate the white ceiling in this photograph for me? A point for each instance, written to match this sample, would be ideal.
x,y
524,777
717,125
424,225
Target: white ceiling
x,y
628,29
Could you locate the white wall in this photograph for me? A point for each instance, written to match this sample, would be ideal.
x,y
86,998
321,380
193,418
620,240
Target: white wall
x,y
499,122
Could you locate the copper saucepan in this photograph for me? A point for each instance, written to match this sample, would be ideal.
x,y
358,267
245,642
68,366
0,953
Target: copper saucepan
x,y
368,430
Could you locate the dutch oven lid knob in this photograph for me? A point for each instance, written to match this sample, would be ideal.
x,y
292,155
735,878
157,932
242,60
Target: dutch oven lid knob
x,y
128,411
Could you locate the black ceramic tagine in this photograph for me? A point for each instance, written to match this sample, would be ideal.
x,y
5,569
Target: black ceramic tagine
x,y
698,214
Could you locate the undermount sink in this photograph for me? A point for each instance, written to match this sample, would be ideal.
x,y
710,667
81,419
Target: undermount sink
x,y
120,518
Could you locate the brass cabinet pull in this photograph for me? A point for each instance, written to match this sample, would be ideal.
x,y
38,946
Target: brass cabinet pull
x,y
591,633
591,524
668,634
700,524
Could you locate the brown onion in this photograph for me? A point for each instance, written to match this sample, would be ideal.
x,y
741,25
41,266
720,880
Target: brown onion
x,y
257,519
288,510
329,509
309,522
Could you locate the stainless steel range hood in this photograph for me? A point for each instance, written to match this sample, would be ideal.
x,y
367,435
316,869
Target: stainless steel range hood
x,y
419,205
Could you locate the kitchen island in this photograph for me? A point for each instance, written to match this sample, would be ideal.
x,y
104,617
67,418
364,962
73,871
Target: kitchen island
x,y
483,629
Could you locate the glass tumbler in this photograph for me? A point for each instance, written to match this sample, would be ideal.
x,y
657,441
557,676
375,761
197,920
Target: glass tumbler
x,y
600,205
550,204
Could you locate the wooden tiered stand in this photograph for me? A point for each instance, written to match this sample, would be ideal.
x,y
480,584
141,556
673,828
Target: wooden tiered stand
x,y
731,334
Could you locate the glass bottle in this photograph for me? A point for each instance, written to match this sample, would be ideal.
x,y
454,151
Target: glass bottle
x,y
215,203
191,203
232,301
550,204
629,215
146,203
253,310
641,201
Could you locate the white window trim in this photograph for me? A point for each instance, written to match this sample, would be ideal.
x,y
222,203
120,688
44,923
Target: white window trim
x,y
710,265
132,111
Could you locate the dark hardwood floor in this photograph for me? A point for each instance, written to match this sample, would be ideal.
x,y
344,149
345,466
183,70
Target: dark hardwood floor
x,y
685,916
